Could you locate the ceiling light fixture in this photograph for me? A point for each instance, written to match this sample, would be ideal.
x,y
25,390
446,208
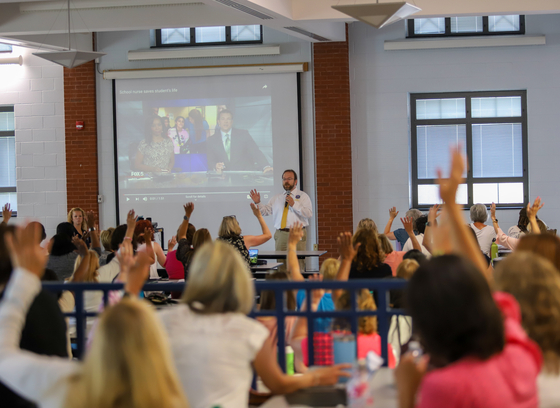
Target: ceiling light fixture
x,y
12,60
70,58
378,14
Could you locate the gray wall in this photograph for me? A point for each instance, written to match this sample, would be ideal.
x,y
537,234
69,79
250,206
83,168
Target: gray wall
x,y
380,84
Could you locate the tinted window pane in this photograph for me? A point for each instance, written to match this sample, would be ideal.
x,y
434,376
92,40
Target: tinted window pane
x,y
9,198
497,150
466,24
429,194
7,161
5,48
6,121
499,193
507,106
175,35
440,108
429,26
246,33
433,144
210,34
503,23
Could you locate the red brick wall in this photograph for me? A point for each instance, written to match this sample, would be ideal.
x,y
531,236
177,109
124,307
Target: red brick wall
x,y
81,145
332,142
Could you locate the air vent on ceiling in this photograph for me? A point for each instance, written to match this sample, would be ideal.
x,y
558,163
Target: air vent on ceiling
x,y
244,9
307,33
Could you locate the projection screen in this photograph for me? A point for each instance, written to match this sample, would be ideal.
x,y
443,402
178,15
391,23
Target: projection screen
x,y
209,140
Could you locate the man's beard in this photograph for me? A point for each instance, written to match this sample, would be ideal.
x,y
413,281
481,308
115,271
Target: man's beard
x,y
288,187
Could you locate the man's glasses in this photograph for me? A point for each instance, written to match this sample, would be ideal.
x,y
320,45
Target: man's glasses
x,y
288,179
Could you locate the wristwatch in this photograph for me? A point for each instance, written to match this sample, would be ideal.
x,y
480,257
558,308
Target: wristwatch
x,y
186,218
495,220
428,224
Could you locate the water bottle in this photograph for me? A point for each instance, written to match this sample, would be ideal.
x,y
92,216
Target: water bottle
x,y
493,250
289,360
358,389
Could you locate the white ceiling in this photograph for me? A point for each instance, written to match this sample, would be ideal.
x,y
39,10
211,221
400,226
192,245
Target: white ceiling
x,y
39,18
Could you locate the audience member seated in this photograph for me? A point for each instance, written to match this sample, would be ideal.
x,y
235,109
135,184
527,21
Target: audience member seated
x,y
533,226
144,232
77,217
535,284
199,238
63,253
420,224
128,365
416,255
368,339
105,237
230,232
545,245
367,223
522,224
41,329
400,235
123,232
216,346
368,263
394,258
484,233
185,235
86,269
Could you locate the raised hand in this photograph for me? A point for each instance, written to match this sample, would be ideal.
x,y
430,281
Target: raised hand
x,y
25,251
296,234
80,246
148,235
493,211
433,213
448,187
316,294
90,219
255,196
131,219
189,208
532,210
346,249
393,213
408,224
256,211
171,243
6,213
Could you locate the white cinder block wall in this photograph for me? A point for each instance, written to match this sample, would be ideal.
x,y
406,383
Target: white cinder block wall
x,y
36,90
380,84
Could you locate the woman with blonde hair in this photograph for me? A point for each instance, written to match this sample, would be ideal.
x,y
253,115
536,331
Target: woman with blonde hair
x,y
215,345
535,284
77,217
230,232
128,353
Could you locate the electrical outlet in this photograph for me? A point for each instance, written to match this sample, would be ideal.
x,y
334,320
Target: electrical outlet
x,y
315,247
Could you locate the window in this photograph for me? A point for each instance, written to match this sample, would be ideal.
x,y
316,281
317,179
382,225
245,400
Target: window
x,y
490,127
465,26
222,35
8,158
5,48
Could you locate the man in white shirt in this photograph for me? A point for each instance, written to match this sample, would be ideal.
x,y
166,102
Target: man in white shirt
x,y
287,208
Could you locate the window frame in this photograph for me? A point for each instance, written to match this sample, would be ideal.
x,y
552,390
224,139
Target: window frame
x,y
8,133
411,34
469,121
193,42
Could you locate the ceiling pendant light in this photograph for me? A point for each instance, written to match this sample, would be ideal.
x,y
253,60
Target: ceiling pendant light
x,y
70,58
378,14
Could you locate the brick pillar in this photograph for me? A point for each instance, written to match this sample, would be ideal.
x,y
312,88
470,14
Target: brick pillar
x,y
81,145
332,142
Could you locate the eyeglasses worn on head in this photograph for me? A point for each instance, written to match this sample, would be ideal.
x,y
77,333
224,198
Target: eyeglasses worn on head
x,y
232,216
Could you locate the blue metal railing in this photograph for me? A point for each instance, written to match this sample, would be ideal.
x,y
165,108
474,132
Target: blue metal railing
x,y
384,312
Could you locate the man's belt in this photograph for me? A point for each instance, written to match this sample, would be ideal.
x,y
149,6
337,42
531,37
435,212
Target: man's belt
x,y
286,229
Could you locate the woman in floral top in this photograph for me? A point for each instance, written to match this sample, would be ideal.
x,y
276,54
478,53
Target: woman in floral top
x,y
155,152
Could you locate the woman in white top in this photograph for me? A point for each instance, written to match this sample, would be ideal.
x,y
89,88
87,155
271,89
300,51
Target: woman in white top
x,y
535,284
484,233
128,353
216,346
